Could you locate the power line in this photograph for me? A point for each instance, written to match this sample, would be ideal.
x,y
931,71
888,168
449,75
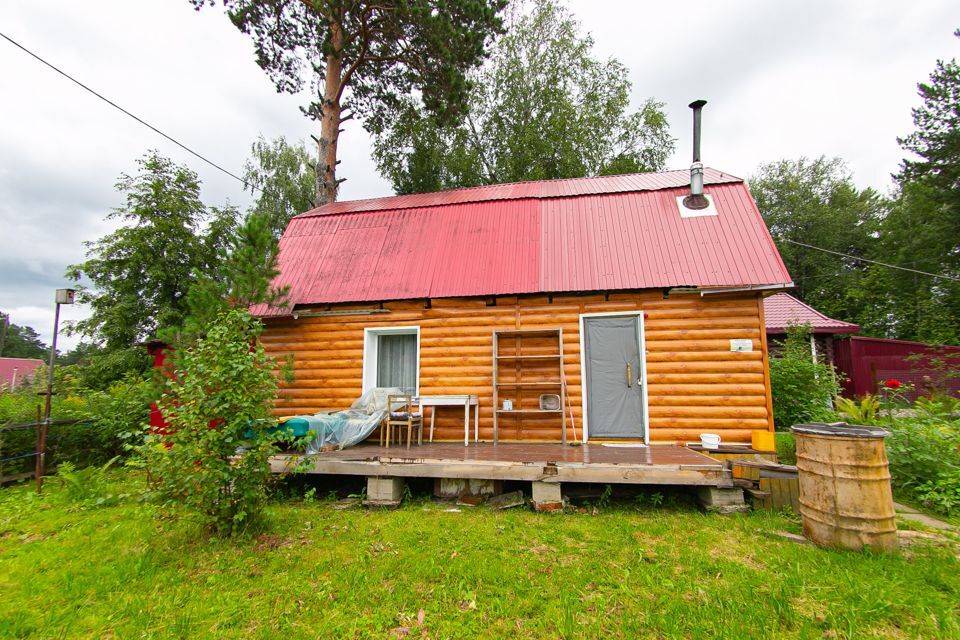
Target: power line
x,y
254,188
882,264
119,108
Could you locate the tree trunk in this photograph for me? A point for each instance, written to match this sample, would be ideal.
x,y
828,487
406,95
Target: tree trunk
x,y
326,191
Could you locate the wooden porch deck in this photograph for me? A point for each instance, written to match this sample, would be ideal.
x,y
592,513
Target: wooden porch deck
x,y
553,463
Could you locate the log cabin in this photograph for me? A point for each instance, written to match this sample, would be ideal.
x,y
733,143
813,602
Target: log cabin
x,y
644,315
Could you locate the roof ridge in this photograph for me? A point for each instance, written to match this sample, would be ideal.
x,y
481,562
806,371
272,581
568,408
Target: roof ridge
x,y
357,206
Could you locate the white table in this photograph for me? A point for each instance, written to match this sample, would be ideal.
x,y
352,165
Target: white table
x,y
466,401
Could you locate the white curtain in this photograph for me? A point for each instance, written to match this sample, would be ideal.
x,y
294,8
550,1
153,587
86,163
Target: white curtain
x,y
397,361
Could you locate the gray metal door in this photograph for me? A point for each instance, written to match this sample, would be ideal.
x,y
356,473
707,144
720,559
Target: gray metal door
x,y
614,377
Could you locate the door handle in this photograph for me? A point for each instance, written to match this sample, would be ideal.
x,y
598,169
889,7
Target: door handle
x,y
629,377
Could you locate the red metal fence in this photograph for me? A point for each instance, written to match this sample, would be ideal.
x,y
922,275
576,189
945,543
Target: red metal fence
x,y
868,362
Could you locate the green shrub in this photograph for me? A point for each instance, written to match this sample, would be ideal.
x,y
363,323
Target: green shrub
x,y
121,414
942,493
802,389
925,459
110,420
89,486
862,411
223,385
786,448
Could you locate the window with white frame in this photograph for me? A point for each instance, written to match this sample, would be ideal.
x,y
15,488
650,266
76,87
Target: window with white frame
x,y
391,358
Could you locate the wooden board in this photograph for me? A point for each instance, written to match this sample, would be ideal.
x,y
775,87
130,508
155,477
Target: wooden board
x,y
660,465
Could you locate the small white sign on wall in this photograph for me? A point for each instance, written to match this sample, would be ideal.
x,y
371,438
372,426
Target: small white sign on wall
x,y
741,345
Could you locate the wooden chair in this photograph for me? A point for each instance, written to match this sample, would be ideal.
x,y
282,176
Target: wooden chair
x,y
402,413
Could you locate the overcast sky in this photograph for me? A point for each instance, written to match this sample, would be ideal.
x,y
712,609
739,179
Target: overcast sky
x,y
783,80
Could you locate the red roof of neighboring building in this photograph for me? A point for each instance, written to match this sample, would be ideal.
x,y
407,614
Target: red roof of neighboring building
x,y
22,368
782,310
585,234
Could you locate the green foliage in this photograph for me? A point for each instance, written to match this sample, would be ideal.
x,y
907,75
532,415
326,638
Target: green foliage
x,y
862,411
141,272
786,448
936,140
97,367
223,385
939,407
89,486
924,459
942,494
362,56
923,447
802,389
543,107
917,234
282,177
121,413
816,202
111,420
245,278
20,342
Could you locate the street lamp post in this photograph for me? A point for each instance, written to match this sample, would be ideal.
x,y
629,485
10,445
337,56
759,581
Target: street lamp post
x,y
64,296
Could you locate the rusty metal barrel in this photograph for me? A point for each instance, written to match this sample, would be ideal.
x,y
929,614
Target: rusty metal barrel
x,y
845,495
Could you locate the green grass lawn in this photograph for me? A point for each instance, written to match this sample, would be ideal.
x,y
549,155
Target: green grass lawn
x,y
621,571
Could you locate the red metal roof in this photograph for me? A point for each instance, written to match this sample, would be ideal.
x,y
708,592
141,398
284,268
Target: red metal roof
x,y
586,234
22,368
782,309
536,189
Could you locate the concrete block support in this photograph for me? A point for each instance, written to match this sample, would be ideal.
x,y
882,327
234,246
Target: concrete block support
x,y
546,496
384,492
456,487
720,500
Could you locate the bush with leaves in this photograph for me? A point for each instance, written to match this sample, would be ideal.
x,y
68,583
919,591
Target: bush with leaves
x,y
802,389
222,388
120,414
110,421
924,454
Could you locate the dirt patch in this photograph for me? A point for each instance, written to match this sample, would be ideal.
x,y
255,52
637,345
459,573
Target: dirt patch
x,y
271,543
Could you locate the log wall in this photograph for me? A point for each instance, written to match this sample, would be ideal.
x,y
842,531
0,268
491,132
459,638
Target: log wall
x,y
695,383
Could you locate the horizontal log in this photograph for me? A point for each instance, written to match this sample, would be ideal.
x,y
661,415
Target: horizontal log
x,y
707,424
733,365
694,345
703,356
701,334
739,311
679,411
703,378
718,389
323,355
709,401
696,322
321,364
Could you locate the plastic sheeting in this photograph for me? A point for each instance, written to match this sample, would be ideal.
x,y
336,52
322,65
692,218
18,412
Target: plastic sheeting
x,y
347,428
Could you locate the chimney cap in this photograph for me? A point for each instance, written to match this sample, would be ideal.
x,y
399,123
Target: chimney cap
x,y
697,104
